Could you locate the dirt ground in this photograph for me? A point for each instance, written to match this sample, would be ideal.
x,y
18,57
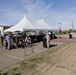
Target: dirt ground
x,y
58,60
61,62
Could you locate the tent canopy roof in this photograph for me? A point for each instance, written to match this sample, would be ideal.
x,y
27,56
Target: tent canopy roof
x,y
28,24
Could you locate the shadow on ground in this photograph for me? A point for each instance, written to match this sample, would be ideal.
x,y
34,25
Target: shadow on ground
x,y
53,45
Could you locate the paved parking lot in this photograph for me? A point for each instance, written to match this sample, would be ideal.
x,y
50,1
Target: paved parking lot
x,y
11,57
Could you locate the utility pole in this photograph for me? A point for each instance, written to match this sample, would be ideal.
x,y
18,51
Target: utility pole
x,y
72,26
59,31
60,25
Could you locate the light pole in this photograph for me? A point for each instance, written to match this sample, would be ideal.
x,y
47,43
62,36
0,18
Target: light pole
x,y
72,26
59,30
60,25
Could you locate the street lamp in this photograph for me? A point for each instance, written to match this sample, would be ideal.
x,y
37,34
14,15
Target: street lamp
x,y
60,25
72,26
59,30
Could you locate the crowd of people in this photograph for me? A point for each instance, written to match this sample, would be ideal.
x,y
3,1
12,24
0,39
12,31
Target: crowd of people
x,y
11,41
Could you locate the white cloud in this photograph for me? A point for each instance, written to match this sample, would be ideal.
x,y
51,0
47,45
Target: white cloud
x,y
54,17
10,15
73,8
46,8
35,8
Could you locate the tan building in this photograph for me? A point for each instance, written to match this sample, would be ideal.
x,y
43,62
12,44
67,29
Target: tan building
x,y
2,28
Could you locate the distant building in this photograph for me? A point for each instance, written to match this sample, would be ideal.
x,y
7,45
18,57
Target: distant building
x,y
2,28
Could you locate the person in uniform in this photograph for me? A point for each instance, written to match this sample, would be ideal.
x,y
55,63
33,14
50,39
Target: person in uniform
x,y
47,40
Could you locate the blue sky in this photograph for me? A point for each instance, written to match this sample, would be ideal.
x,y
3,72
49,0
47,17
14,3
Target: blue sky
x,y
52,11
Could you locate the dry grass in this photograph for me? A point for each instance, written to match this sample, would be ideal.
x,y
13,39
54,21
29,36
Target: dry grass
x,y
34,65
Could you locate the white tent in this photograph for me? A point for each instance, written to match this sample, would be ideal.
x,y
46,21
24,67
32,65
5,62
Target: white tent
x,y
28,24
43,25
21,26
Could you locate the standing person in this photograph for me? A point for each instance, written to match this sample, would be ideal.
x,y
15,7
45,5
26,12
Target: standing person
x,y
8,40
1,40
17,40
44,42
47,40
28,39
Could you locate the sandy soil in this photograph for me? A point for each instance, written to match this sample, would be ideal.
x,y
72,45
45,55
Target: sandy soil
x,y
63,61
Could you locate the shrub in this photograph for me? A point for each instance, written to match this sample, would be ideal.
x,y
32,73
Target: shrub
x,y
35,59
23,64
13,73
32,59
14,68
31,66
3,73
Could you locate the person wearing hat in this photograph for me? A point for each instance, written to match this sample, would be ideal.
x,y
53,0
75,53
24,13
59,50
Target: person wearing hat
x,y
47,40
